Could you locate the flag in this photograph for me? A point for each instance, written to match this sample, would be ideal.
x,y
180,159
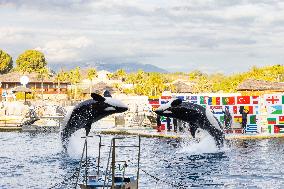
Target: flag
x,y
273,99
235,109
251,128
153,101
255,99
278,128
238,119
281,119
192,99
255,110
166,97
181,97
222,119
252,119
216,109
164,101
249,108
243,99
203,99
163,119
271,120
228,100
269,128
274,109
214,101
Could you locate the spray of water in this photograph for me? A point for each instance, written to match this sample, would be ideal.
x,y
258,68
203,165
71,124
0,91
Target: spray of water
x,y
202,143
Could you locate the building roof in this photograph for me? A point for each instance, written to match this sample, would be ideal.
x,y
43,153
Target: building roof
x,y
183,87
33,77
260,85
99,88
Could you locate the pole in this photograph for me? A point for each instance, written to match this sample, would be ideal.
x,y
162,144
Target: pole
x,y
99,158
86,170
113,164
139,153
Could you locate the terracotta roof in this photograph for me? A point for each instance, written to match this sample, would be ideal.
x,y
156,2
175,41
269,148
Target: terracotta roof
x,y
260,85
33,77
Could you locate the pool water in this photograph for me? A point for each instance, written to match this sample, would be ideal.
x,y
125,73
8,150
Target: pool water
x,y
37,161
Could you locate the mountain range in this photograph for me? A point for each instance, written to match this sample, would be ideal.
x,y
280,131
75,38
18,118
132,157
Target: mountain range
x,y
111,67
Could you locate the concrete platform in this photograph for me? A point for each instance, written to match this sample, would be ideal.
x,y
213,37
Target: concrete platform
x,y
151,133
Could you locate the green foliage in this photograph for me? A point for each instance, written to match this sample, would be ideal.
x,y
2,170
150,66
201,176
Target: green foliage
x,y
75,76
92,73
31,61
6,62
119,74
21,96
62,76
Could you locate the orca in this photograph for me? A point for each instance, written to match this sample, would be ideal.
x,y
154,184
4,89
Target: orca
x,y
196,115
87,112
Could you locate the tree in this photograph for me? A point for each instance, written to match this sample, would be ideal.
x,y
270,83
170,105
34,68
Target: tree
x,y
92,73
42,74
30,61
61,76
75,77
6,62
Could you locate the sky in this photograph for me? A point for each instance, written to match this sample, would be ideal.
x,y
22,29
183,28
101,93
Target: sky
x,y
226,36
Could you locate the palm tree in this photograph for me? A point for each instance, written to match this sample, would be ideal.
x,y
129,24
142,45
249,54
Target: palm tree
x,y
75,77
61,76
92,73
42,74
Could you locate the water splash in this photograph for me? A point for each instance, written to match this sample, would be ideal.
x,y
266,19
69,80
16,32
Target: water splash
x,y
202,143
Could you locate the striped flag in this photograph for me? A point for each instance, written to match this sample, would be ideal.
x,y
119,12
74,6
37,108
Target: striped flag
x,y
228,100
166,97
271,120
203,99
274,109
281,119
278,128
255,99
251,128
192,99
238,119
249,108
214,101
153,101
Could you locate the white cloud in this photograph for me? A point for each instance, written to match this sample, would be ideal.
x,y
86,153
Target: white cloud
x,y
175,34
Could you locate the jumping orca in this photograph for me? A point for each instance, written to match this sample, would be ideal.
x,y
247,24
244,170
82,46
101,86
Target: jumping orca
x,y
88,112
196,115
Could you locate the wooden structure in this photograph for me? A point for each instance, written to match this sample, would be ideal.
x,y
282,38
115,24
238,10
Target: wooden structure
x,y
49,85
259,87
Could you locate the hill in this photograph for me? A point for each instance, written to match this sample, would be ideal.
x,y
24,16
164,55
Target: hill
x,y
111,67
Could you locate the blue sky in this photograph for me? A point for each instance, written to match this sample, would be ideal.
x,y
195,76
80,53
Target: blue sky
x,y
210,35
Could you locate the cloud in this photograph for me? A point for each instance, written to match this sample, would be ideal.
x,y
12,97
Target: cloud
x,y
66,49
176,34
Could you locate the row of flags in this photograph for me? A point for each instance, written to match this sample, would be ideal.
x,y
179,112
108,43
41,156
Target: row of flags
x,y
269,107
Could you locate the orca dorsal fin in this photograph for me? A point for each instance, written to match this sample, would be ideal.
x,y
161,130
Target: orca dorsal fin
x,y
176,102
97,97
